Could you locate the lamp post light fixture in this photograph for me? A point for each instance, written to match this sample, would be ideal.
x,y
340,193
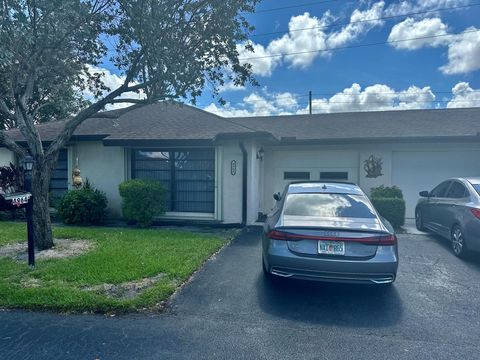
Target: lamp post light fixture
x,y
260,153
28,166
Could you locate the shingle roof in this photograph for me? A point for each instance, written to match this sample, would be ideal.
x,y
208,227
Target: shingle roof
x,y
397,124
158,121
172,121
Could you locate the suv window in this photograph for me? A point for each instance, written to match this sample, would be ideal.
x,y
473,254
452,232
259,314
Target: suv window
x,y
457,191
440,190
328,205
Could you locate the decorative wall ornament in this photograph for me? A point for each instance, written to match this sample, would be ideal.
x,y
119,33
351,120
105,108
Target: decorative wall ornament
x,y
77,180
373,166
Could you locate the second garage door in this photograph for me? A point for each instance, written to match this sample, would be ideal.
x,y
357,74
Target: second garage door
x,y
414,171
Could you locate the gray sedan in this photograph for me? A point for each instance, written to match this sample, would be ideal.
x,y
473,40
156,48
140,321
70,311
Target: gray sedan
x,y
452,210
328,232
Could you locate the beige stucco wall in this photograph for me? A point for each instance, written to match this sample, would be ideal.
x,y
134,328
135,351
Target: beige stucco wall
x,y
230,183
104,167
6,157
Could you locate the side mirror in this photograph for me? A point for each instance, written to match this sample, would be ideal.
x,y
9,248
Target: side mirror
x,y
277,196
424,193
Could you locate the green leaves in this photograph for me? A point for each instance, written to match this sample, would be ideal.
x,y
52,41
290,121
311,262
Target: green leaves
x,y
142,201
168,48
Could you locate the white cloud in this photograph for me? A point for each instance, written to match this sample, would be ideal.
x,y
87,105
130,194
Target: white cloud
x,y
407,7
286,101
112,81
375,97
260,105
262,63
463,53
463,49
310,41
227,110
359,25
354,98
230,86
256,104
464,96
305,42
410,29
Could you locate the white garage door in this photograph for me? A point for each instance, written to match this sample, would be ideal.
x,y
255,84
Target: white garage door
x,y
285,166
414,171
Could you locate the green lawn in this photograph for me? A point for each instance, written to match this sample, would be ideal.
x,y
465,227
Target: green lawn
x,y
119,255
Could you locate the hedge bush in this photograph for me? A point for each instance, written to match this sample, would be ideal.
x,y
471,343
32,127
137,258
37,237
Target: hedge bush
x,y
389,202
386,192
84,207
142,201
392,209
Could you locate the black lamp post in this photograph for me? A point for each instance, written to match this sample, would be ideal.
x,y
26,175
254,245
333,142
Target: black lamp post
x,y
28,166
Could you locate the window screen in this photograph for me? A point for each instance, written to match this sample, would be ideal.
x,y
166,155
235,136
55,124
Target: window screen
x,y
296,175
59,179
334,175
328,205
188,176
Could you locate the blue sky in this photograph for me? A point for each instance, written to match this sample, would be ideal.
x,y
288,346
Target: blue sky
x,y
434,71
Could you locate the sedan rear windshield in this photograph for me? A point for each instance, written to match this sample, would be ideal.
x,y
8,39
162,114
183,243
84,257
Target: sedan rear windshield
x,y
328,205
477,187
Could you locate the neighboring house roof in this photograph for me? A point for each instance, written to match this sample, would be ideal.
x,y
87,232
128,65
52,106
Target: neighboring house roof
x,y
372,125
167,123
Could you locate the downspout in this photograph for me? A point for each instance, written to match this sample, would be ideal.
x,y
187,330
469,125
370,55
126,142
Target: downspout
x,y
244,183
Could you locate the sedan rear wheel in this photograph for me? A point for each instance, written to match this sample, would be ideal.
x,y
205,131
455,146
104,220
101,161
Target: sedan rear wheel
x,y
459,246
419,220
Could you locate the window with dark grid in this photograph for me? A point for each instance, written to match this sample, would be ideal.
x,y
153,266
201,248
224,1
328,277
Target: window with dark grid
x,y
59,179
187,174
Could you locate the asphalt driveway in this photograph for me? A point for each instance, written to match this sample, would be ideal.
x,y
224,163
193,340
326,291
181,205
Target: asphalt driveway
x,y
229,312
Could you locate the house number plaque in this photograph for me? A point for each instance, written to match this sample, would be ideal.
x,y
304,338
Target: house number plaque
x,y
233,167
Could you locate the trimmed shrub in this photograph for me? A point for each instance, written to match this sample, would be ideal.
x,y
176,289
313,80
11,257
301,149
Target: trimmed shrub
x,y
388,200
142,201
84,206
386,192
392,209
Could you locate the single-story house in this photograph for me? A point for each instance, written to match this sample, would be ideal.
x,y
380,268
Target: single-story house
x,y
225,170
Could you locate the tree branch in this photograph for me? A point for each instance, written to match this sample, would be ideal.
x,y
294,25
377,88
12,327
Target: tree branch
x,y
62,139
5,110
27,126
125,100
11,145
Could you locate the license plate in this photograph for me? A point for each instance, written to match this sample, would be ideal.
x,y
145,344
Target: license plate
x,y
331,247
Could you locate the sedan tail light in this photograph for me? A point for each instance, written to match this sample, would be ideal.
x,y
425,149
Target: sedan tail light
x,y
475,212
373,240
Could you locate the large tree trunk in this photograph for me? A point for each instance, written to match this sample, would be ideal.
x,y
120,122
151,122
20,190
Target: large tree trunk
x,y
42,226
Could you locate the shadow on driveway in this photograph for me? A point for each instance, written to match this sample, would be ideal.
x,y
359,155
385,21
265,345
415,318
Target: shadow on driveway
x,y
472,259
330,304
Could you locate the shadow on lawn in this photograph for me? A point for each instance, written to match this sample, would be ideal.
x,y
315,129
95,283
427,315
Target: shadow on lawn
x,y
330,304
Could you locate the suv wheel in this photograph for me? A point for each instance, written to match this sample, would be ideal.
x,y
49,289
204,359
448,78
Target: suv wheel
x,y
459,245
